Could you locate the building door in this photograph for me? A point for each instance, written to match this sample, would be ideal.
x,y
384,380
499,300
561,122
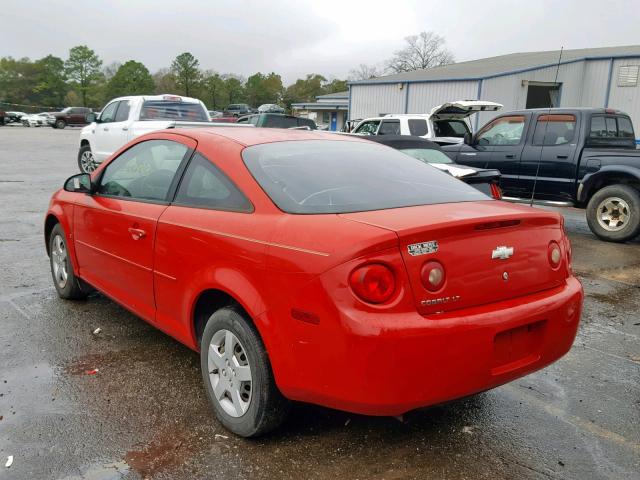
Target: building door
x,y
334,121
543,95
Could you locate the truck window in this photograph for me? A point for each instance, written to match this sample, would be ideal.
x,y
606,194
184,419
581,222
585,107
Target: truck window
x,y
280,121
625,128
450,128
368,128
554,129
109,113
418,127
122,115
502,131
390,127
610,127
168,110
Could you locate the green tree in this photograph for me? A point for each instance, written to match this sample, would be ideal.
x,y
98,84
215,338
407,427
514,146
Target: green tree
x,y
234,88
185,68
132,78
261,89
336,85
83,68
51,82
304,89
18,78
214,90
165,81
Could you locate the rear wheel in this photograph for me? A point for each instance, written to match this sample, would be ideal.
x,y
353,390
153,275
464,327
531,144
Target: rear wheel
x,y
613,213
60,124
67,284
238,377
86,160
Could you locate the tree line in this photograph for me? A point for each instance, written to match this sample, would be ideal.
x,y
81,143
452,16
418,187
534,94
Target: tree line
x,y
83,80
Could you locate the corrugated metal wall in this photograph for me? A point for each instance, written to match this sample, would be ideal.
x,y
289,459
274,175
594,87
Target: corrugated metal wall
x,y
424,96
372,100
584,84
626,99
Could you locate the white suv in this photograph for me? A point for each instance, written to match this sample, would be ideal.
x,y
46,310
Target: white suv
x,y
445,124
126,118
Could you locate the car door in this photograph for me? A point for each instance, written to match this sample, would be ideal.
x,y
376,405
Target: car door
x,y
114,228
499,145
100,139
548,157
117,133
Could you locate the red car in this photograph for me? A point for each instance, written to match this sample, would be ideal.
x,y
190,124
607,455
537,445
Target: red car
x,y
319,268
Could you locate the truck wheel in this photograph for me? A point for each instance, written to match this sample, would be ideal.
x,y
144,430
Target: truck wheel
x,y
238,377
613,213
60,124
86,160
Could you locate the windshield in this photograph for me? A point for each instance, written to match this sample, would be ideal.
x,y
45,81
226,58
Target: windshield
x,y
428,155
326,176
167,110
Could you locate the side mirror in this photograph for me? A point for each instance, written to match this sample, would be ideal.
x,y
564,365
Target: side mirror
x,y
80,183
90,117
469,138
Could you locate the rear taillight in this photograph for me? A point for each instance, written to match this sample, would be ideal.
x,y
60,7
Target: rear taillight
x,y
432,275
373,283
495,191
554,254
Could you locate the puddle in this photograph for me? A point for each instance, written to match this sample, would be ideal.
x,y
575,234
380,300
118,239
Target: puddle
x,y
103,471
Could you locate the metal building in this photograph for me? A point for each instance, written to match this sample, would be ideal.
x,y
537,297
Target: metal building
x,y
593,77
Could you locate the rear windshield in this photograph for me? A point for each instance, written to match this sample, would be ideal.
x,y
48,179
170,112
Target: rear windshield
x,y
166,110
326,176
450,128
429,155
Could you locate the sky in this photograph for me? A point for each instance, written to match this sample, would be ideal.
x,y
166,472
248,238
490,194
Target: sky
x,y
294,38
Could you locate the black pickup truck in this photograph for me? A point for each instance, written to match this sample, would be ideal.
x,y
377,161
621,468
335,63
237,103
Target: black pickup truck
x,y
584,157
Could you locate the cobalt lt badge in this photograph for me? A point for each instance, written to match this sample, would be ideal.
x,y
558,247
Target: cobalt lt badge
x,y
502,253
423,248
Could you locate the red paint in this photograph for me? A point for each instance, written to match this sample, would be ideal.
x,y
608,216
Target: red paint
x,y
294,275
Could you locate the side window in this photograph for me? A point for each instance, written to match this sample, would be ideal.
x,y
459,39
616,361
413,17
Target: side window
x,y
625,128
418,127
450,128
554,129
108,114
389,127
145,171
122,115
203,185
368,128
502,131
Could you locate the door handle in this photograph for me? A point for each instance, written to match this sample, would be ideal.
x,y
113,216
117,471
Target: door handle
x,y
562,156
105,129
137,233
509,155
124,129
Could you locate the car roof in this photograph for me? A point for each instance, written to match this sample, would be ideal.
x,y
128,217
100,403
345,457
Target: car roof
x,y
403,141
255,136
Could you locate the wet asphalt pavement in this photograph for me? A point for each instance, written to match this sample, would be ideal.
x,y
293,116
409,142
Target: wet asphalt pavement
x,y
144,414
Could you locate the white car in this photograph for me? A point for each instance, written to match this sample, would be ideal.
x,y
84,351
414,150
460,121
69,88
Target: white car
x,y
270,108
43,119
445,124
126,118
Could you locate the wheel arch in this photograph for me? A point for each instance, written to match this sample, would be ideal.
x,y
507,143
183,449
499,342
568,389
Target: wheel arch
x,y
607,177
84,143
49,223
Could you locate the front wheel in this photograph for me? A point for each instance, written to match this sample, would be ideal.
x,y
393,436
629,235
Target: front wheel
x,y
613,213
86,160
60,124
67,284
238,377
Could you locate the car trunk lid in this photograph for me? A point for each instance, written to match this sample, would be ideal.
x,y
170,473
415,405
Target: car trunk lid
x,y
461,109
473,242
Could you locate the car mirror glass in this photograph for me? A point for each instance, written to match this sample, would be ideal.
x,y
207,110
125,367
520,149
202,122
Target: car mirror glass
x,y
78,183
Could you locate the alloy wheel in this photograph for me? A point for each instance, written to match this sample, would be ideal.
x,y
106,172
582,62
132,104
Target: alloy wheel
x,y
230,373
613,214
87,162
59,261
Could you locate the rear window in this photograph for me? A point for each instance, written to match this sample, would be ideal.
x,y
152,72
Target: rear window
x,y
554,129
611,131
277,121
450,128
167,110
325,176
429,155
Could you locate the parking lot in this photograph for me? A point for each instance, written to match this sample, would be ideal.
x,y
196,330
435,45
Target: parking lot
x,y
144,414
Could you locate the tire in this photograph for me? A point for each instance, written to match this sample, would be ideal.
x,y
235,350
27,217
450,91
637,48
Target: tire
x,y
259,408
613,213
86,161
66,283
60,124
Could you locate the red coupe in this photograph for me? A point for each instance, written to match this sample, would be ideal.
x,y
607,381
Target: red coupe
x,y
319,268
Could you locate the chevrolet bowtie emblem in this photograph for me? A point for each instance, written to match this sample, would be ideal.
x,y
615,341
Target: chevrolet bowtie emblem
x,y
502,252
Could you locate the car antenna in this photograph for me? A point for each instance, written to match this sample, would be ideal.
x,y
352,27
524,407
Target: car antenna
x,y
544,137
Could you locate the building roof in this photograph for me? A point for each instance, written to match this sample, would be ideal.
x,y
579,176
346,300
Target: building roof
x,y
505,65
337,95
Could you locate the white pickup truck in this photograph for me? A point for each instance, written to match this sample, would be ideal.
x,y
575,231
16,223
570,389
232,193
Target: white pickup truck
x,y
125,118
445,124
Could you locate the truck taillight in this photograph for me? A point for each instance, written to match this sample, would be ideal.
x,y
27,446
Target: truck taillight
x,y
373,283
496,192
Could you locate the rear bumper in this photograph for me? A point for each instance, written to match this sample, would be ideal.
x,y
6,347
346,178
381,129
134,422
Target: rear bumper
x,y
407,361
